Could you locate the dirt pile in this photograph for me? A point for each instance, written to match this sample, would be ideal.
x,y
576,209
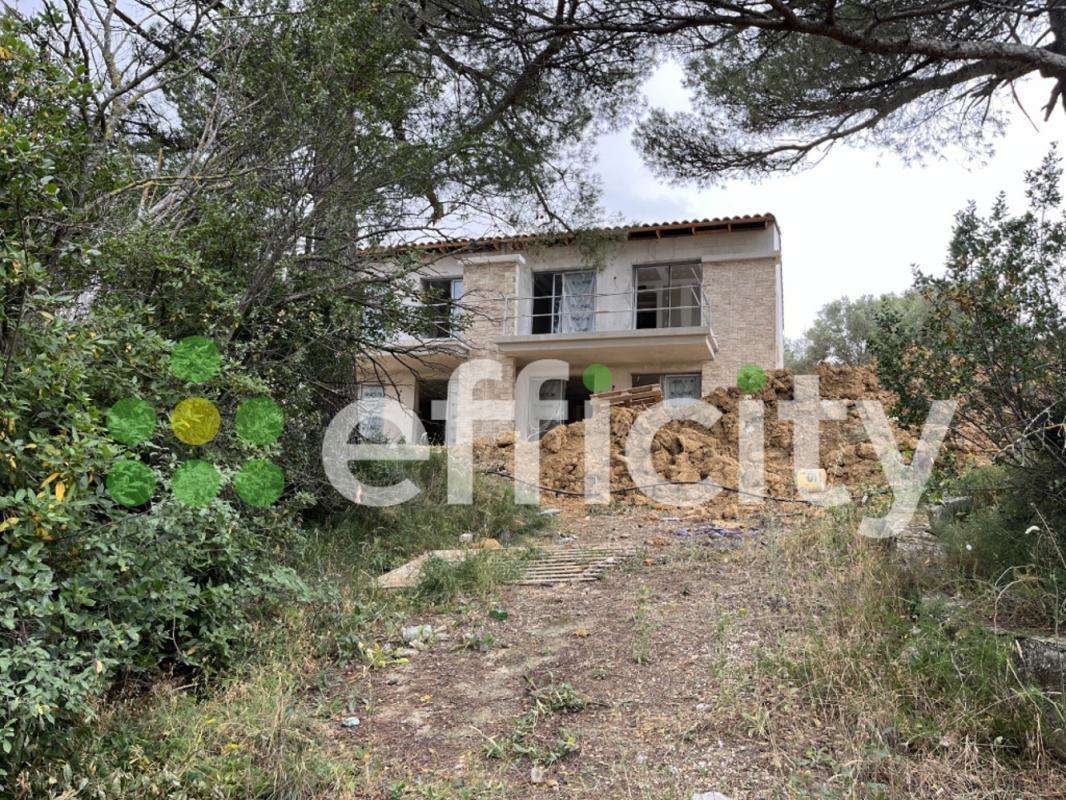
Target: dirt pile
x,y
684,451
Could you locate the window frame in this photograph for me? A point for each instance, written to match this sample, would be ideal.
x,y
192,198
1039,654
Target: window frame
x,y
554,314
443,326
667,290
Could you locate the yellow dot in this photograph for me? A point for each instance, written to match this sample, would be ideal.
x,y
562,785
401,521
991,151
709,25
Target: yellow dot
x,y
195,420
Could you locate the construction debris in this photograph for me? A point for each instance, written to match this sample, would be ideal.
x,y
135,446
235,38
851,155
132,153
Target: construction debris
x,y
715,533
407,575
571,565
549,565
416,633
688,452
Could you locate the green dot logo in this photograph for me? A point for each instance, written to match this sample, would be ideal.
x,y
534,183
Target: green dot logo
x,y
260,421
131,421
195,420
195,359
751,378
196,483
130,482
259,483
597,378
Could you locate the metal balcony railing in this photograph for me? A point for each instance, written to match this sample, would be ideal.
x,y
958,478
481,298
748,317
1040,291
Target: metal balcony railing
x,y
642,309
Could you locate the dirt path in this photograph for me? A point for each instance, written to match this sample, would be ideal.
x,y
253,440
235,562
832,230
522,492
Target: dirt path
x,y
661,649
642,685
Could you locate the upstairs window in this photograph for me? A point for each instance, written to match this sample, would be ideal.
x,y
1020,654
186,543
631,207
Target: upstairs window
x,y
441,297
564,302
668,296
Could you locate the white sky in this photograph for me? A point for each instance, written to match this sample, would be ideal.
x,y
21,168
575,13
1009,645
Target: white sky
x,y
853,224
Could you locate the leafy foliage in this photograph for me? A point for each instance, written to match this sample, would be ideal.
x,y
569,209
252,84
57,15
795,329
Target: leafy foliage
x,y
994,337
165,193
776,86
844,329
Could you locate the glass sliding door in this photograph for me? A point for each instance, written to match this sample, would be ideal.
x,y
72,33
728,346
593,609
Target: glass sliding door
x,y
553,389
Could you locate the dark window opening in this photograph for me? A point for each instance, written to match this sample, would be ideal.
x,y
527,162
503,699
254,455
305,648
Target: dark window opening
x,y
440,297
428,392
564,302
573,392
547,294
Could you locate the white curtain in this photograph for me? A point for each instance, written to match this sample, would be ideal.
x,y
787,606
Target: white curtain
x,y
456,298
578,307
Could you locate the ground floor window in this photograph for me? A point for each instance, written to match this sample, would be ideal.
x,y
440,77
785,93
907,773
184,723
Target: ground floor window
x,y
675,386
573,392
432,392
372,429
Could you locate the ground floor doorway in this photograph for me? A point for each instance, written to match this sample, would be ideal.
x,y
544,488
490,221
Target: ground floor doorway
x,y
429,392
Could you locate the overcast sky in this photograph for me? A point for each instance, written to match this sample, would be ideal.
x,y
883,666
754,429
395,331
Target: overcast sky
x,y
855,223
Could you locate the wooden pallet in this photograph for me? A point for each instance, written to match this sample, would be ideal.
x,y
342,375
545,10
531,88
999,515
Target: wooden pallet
x,y
637,396
571,565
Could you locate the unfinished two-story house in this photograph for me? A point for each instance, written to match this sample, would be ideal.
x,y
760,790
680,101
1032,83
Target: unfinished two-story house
x,y
681,304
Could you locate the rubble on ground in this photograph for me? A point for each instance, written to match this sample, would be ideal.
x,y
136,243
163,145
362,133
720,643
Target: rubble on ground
x,y
686,451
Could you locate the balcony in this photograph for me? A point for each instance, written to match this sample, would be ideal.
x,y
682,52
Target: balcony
x,y
660,324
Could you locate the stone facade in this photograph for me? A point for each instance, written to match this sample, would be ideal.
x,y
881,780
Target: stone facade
x,y
744,298
487,283
742,287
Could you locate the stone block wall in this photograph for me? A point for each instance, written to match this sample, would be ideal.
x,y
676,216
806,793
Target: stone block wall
x,y
487,282
743,299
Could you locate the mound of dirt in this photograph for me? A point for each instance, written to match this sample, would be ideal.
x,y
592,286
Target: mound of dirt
x,y
685,451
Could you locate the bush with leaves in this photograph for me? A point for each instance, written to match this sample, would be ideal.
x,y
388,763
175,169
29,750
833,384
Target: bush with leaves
x,y
844,330
93,592
994,338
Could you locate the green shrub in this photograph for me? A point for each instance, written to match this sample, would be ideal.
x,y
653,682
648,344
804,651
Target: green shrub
x,y
253,732
95,594
994,338
441,581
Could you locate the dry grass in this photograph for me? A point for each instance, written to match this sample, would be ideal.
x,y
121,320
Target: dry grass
x,y
800,663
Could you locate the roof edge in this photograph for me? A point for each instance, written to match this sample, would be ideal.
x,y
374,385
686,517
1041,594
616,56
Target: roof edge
x,y
642,231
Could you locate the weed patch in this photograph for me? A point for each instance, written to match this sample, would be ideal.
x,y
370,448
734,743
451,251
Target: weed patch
x,y
532,737
908,670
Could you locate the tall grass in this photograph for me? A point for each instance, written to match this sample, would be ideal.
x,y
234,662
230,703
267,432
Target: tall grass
x,y
376,540
1004,545
902,665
